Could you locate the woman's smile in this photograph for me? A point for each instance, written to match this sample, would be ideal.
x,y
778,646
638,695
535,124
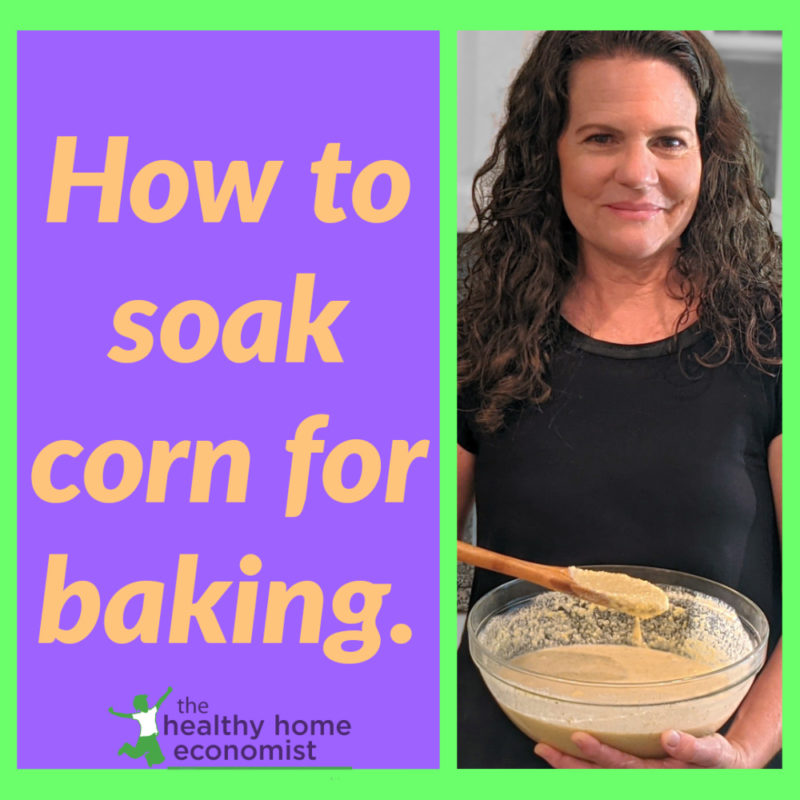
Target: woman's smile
x,y
635,211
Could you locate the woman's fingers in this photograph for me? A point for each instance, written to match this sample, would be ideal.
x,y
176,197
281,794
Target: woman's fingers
x,y
603,755
558,760
709,751
684,750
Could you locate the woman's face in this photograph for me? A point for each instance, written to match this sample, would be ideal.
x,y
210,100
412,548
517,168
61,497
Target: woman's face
x,y
630,158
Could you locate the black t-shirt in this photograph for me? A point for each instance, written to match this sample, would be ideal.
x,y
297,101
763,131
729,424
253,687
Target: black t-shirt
x,y
641,456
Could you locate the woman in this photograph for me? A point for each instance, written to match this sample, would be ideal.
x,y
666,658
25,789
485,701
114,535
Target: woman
x,y
619,391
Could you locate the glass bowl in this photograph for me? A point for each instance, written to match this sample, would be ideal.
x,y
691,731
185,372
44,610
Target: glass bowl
x,y
706,621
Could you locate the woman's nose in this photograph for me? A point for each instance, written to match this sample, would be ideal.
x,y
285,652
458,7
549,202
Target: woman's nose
x,y
637,167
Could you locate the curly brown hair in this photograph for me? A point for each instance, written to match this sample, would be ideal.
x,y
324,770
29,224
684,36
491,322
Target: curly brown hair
x,y
522,256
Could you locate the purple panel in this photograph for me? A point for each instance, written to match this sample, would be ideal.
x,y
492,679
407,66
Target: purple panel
x,y
223,97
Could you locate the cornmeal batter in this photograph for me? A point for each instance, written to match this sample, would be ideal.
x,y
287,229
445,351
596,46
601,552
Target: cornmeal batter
x,y
591,706
611,663
620,592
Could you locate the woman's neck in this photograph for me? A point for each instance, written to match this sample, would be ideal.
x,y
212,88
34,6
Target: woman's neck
x,y
626,304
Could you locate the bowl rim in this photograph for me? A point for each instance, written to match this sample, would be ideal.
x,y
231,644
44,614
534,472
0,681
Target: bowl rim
x,y
757,650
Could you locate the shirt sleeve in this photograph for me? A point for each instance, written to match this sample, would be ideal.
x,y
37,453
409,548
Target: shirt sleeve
x,y
467,433
777,422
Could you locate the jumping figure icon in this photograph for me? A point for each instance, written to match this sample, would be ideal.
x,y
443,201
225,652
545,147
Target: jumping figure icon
x,y
147,745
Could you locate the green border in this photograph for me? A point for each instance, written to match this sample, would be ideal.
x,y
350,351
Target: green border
x,y
418,15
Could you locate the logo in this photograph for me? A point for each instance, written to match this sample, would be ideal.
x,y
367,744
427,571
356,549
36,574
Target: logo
x,y
147,744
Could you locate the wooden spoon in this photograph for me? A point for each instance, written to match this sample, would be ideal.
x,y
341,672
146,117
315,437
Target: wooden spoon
x,y
614,590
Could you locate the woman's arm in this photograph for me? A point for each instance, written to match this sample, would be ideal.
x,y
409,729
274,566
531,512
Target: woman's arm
x,y
775,466
758,726
757,729
465,473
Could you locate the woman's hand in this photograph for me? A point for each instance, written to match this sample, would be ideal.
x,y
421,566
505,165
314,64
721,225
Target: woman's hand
x,y
684,752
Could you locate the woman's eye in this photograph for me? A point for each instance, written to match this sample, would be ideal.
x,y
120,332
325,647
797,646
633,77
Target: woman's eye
x,y
671,143
600,138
